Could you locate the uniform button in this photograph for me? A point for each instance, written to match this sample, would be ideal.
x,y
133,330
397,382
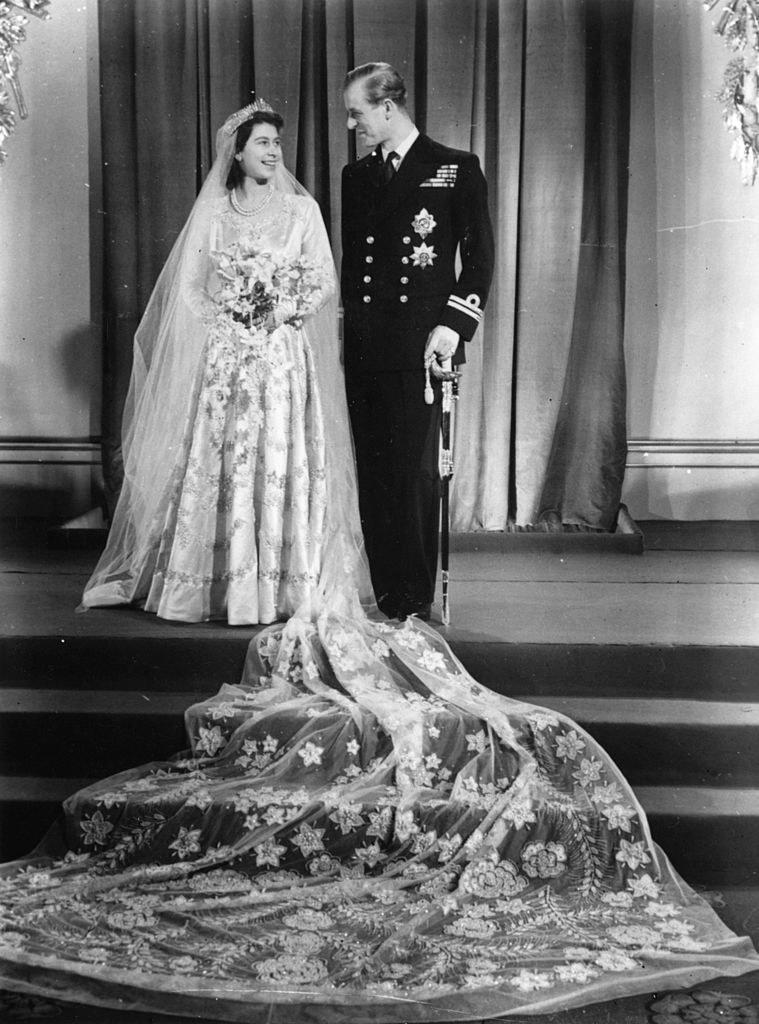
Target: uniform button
x,y
404,259
404,280
370,259
404,298
370,239
406,240
367,279
367,298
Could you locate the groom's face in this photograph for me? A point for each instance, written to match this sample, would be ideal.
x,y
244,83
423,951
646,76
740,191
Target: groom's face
x,y
369,120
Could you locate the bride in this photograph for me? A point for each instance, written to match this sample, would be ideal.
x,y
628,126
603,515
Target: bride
x,y
359,832
234,431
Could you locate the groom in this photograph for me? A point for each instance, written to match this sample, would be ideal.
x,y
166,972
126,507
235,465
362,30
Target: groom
x,y
408,208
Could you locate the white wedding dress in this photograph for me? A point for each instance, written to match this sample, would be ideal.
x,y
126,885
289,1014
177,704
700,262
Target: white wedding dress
x,y
359,832
237,527
244,528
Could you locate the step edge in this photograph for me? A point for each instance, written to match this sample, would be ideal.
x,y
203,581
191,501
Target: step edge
x,y
684,801
33,701
653,712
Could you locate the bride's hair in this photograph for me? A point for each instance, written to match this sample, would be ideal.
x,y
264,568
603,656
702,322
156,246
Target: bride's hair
x,y
242,135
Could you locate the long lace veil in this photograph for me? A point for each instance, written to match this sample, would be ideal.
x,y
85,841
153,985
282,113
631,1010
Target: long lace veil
x,y
168,356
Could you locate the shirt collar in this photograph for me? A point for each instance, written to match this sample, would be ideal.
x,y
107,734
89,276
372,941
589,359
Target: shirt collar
x,y
403,148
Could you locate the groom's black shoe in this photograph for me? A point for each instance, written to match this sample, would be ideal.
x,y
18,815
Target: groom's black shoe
x,y
388,605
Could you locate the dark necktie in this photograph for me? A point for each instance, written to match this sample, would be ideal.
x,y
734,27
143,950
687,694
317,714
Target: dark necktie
x,y
388,168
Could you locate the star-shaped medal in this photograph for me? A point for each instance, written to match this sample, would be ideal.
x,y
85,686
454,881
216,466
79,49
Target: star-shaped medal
x,y
423,255
424,223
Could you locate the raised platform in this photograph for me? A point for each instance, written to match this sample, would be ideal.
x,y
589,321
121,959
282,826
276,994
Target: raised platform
x,y
657,656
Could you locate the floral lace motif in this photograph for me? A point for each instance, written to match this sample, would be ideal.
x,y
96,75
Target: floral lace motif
x,y
361,819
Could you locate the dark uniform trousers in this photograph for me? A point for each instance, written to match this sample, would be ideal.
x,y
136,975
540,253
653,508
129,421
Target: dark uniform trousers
x,y
399,281
397,440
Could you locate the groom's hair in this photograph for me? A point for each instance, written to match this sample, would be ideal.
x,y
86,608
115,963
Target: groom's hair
x,y
381,82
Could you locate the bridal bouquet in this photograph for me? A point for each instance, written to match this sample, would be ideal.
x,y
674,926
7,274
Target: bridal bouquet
x,y
260,291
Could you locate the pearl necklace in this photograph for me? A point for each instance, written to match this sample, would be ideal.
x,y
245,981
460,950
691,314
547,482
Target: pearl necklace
x,y
253,210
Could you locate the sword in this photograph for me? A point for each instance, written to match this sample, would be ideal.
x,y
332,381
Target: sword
x,y
449,396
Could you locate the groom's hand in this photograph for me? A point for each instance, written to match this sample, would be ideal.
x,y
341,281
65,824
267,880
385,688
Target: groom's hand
x,y
441,344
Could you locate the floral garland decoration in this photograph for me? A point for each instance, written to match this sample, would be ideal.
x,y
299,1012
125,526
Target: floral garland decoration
x,y
738,24
13,32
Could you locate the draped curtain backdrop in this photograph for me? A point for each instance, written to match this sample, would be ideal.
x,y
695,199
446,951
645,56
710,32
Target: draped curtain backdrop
x,y
539,89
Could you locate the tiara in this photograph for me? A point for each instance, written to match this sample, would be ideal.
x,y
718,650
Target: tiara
x,y
234,121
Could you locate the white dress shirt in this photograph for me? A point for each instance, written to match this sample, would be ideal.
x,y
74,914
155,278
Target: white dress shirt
x,y
401,150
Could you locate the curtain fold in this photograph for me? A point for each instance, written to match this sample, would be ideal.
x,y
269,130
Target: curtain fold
x,y
539,89
586,465
483,443
550,212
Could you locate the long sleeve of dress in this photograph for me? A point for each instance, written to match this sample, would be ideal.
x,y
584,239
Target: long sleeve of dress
x,y
316,247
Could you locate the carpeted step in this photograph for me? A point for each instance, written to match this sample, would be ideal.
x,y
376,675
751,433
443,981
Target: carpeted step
x,y
206,660
134,662
711,835
91,732
98,733
680,742
632,671
28,808
690,823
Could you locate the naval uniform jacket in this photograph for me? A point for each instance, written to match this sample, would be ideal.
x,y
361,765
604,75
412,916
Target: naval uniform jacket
x,y
400,242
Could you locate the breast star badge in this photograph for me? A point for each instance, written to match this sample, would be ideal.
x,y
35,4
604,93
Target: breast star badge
x,y
424,223
423,255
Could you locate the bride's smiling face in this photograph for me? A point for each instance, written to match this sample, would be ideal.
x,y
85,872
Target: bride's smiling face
x,y
261,154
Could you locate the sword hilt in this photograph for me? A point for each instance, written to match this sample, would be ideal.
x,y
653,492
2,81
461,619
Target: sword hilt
x,y
429,394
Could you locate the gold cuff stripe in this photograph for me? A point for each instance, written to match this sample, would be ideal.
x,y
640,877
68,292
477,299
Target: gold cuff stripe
x,y
463,307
